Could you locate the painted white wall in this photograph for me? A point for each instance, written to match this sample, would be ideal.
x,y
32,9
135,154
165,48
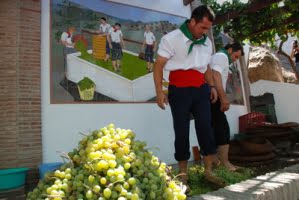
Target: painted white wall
x,y
61,123
109,83
286,98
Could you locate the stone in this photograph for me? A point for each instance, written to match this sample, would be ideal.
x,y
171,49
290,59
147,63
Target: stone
x,y
288,76
264,65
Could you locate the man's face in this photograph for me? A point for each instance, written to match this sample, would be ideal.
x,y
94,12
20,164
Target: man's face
x,y
117,27
102,21
198,29
71,30
235,55
147,27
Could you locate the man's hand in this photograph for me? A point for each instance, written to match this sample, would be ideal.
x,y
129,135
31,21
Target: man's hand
x,y
213,95
224,104
162,100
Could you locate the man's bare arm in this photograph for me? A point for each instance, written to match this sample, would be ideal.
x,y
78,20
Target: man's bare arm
x,y
220,91
210,80
158,78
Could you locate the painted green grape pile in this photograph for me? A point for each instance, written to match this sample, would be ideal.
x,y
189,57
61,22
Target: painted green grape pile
x,y
110,164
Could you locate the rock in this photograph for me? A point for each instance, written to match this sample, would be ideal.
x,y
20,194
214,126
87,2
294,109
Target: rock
x,y
264,65
288,76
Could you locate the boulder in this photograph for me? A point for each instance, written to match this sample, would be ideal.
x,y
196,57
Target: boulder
x,y
264,65
288,76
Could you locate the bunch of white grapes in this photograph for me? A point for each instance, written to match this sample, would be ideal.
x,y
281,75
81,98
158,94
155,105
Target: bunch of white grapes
x,y
110,164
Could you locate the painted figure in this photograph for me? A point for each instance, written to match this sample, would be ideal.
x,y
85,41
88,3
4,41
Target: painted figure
x,y
116,43
104,30
149,44
68,45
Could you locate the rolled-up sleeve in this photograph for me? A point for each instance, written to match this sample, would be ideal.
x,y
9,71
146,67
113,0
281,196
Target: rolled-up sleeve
x,y
165,49
219,62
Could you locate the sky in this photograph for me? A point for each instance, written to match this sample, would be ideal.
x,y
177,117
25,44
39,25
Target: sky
x,y
127,12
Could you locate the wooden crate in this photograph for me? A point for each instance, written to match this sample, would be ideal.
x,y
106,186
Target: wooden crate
x,y
99,46
251,120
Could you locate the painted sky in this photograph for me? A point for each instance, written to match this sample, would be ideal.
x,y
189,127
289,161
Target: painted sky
x,y
127,12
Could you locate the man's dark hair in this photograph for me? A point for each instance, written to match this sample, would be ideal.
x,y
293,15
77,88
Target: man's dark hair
x,y
203,11
103,18
117,24
295,44
236,46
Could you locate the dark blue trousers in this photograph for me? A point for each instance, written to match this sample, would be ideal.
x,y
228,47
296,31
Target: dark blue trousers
x,y
195,100
220,124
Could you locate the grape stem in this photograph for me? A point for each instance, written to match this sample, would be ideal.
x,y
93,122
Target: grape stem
x,y
64,155
86,186
111,184
83,134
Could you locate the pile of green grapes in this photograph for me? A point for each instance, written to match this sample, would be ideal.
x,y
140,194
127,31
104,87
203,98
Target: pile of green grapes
x,y
110,164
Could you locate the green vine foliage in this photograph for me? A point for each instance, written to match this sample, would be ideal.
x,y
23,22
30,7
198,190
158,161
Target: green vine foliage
x,y
261,26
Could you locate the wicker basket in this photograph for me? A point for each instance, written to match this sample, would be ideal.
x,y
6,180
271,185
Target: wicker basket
x,y
87,94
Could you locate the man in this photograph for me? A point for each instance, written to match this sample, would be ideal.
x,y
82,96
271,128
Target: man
x,y
220,64
68,45
104,29
186,53
116,43
295,54
150,44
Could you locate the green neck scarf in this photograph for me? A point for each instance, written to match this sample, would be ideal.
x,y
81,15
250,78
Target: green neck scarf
x,y
188,34
226,53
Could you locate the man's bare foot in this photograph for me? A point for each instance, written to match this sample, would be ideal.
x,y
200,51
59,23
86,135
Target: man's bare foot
x,y
214,179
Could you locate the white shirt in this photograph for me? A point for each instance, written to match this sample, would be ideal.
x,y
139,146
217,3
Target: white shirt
x,y
175,45
220,63
104,28
149,38
65,38
115,36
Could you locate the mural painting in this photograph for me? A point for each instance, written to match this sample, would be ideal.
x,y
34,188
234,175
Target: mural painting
x,y
103,51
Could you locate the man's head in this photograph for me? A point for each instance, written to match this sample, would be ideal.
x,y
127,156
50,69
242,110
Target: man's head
x,y
147,28
103,20
201,21
117,26
295,44
235,50
71,29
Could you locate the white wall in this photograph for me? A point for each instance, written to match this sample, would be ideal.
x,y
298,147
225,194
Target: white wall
x,y
61,123
286,98
287,45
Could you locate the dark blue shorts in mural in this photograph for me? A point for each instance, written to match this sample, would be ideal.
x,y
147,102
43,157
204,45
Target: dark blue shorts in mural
x,y
149,53
116,51
107,48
